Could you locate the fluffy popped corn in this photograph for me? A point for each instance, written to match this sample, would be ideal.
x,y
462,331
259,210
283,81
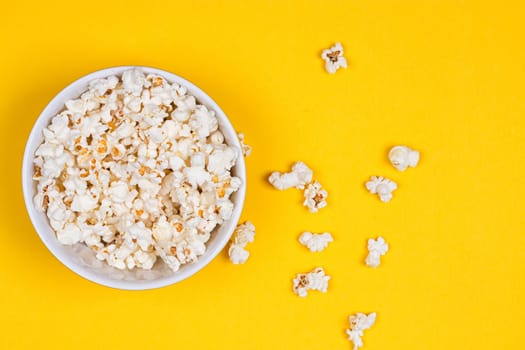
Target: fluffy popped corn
x,y
334,58
301,177
136,169
376,248
316,242
382,186
359,323
315,280
246,149
314,197
403,157
243,234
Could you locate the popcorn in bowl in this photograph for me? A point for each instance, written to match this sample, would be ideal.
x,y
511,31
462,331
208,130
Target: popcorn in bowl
x,y
136,170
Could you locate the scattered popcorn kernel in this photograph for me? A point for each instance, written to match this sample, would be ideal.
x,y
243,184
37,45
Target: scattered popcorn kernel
x,y
314,197
246,149
238,255
136,170
403,157
299,177
358,324
243,234
315,280
316,242
382,186
376,248
334,58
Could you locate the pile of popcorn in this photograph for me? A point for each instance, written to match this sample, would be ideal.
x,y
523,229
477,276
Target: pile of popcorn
x,y
136,169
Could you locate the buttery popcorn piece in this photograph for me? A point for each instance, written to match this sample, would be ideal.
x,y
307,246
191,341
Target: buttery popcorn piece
x,y
403,157
382,186
316,242
358,324
135,169
314,197
299,177
243,234
376,248
334,58
238,255
315,280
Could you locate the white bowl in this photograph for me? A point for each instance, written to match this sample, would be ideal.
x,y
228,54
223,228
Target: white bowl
x,y
81,259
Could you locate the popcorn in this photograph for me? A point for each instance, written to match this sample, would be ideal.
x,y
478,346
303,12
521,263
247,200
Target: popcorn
x,y
246,149
301,178
69,235
83,203
100,86
196,174
382,186
315,197
221,160
132,81
316,242
334,58
315,280
359,323
136,170
403,157
237,254
376,248
217,137
243,234
300,175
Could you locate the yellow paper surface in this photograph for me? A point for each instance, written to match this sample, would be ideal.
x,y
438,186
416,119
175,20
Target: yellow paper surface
x,y
445,77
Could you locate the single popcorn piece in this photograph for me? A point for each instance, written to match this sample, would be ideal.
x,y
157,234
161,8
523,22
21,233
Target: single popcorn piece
x,y
376,248
334,58
299,177
315,280
243,234
358,324
316,242
315,197
137,170
403,157
382,187
238,255
246,149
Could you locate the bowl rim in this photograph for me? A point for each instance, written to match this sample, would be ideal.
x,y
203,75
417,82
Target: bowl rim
x,y
52,243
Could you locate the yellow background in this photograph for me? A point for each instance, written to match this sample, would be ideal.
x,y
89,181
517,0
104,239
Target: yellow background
x,y
446,77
